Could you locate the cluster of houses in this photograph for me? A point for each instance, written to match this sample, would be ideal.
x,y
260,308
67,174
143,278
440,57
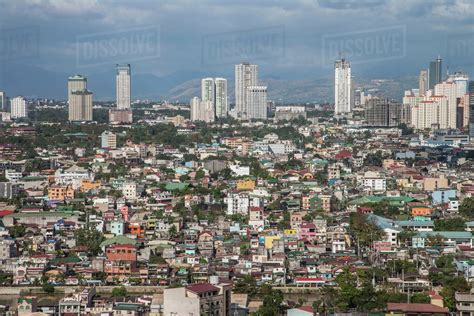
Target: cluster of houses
x,y
193,220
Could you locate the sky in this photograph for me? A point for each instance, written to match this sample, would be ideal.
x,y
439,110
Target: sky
x,y
289,39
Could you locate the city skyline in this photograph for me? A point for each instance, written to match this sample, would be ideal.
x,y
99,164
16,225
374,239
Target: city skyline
x,y
298,51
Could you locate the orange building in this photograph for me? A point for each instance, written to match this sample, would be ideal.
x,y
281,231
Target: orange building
x,y
87,185
245,184
121,253
421,211
60,193
136,229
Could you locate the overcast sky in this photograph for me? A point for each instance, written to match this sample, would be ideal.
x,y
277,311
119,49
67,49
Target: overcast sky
x,y
288,39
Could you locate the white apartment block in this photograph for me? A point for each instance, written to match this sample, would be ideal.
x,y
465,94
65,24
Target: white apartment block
x,y
372,181
342,87
108,140
202,110
245,76
18,108
256,102
221,102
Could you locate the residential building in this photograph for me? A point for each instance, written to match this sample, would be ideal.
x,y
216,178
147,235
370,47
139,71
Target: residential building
x,y
108,140
18,108
245,76
120,116
221,99
122,85
202,110
256,102
342,87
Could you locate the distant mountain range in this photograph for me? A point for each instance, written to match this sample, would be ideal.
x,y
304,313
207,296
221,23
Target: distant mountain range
x,y
32,82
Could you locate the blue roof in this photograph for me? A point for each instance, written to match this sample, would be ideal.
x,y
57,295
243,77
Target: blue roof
x,y
446,234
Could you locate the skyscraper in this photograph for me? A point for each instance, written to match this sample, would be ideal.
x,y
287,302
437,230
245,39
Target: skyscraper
x,y
122,85
3,102
245,76
256,100
221,97
471,110
423,82
208,90
75,83
18,107
79,99
342,87
80,106
383,112
434,73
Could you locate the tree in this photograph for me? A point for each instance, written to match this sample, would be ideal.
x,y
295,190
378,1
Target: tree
x,y
365,231
48,288
119,291
246,285
272,300
91,238
467,207
17,231
449,224
172,231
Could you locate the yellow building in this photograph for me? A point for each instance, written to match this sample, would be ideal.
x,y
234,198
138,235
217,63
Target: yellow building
x,y
87,185
60,193
433,184
269,241
245,184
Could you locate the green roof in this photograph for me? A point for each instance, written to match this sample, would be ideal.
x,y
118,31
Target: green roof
x,y
39,214
119,240
34,178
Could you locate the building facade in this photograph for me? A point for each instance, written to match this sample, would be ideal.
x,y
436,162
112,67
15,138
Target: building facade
x,y
122,82
18,108
342,87
256,102
245,76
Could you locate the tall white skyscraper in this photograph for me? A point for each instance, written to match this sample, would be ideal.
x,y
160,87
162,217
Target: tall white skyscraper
x,y
18,107
3,102
342,87
221,97
245,76
79,99
208,90
256,100
122,84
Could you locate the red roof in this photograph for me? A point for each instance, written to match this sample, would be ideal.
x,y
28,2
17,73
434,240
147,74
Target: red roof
x,y
343,154
416,308
5,213
199,288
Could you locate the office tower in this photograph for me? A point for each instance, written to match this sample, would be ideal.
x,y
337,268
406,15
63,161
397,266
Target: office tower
x,y
18,107
423,82
108,140
207,90
383,112
3,102
256,101
221,97
434,73
122,85
245,76
471,110
342,87
202,110
75,83
80,106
